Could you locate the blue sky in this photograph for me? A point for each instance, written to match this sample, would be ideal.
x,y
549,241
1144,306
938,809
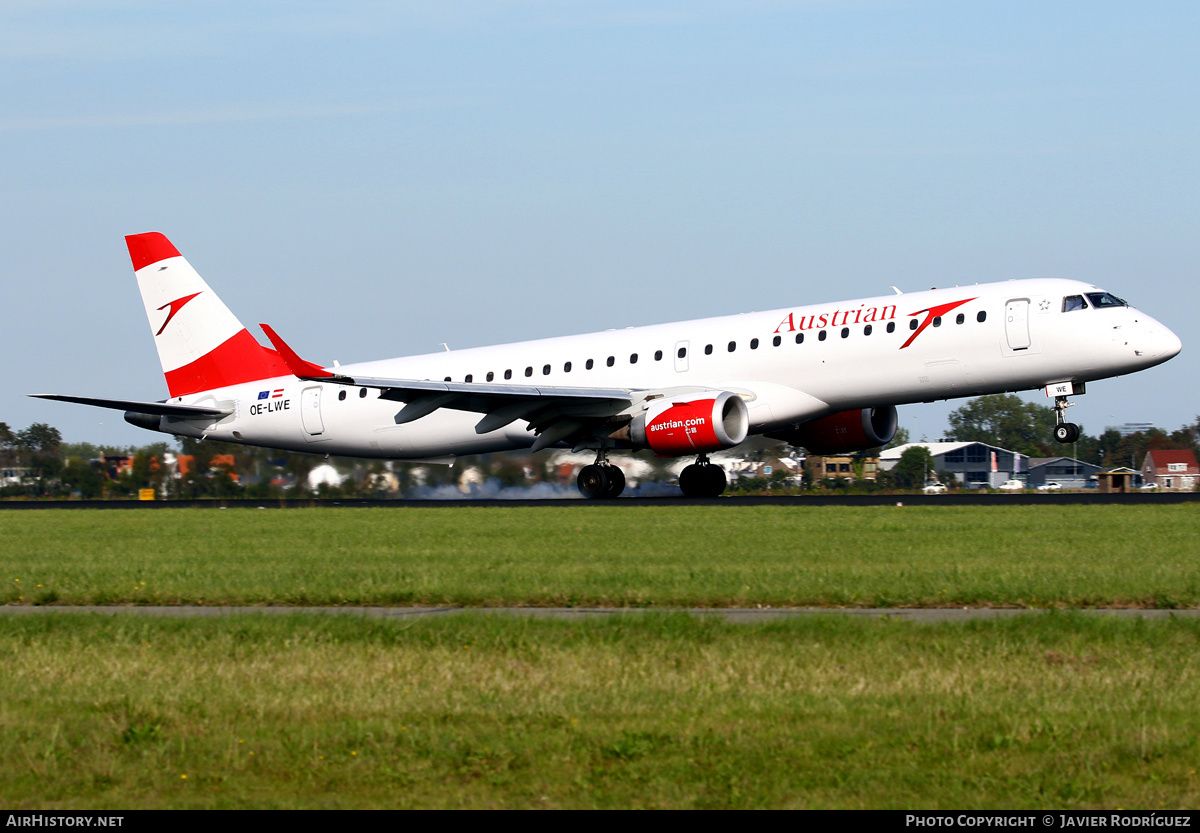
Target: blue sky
x,y
376,178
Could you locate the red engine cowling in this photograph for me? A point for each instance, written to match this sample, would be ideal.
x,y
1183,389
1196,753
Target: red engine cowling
x,y
692,424
846,431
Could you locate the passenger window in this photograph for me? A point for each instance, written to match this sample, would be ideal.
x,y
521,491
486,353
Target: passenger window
x,y
799,338
845,332
732,346
912,325
867,330
960,318
633,358
891,326
341,395
567,367
754,344
658,355
822,335
545,370
469,378
682,352
362,393
508,374
491,376
590,364
981,317
708,349
778,340
447,379
937,321
529,371
611,361
1073,302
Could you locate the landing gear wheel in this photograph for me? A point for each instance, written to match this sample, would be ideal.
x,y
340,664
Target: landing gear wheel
x,y
702,480
616,482
1066,432
714,480
691,480
594,482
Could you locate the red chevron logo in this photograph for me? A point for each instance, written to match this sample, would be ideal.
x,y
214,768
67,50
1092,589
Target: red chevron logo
x,y
175,306
933,312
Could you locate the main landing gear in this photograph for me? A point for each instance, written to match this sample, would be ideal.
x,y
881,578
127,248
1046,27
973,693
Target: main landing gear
x,y
1064,432
601,480
702,479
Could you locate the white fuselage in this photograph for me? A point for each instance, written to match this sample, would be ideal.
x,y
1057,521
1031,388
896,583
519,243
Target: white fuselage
x,y
1024,341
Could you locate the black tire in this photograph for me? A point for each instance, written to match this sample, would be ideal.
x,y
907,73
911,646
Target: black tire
x,y
691,480
593,481
1066,432
616,482
714,480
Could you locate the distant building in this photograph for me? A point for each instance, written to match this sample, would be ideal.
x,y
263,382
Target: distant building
x,y
843,466
13,475
184,462
768,467
117,464
1065,471
1117,481
976,465
1131,428
1172,469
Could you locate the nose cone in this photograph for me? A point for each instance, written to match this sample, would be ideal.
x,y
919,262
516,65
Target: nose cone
x,y
1160,343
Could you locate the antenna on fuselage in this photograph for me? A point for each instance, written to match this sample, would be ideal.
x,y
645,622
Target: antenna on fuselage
x,y
896,289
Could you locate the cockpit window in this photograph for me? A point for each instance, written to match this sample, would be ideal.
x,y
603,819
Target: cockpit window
x,y
1100,300
1074,302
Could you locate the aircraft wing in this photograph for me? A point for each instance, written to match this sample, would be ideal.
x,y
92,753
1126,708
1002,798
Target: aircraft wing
x,y
157,408
554,413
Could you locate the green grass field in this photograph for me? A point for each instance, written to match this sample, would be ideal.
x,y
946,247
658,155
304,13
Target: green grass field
x,y
637,556
1053,710
651,710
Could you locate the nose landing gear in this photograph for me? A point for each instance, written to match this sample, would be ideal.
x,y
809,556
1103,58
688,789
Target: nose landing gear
x,y
702,479
1064,432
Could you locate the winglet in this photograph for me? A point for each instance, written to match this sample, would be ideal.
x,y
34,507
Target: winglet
x,y
298,366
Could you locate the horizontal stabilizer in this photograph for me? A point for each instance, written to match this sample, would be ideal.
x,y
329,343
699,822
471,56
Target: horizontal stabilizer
x,y
157,408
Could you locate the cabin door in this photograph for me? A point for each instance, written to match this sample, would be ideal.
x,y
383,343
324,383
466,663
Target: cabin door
x,y
1016,323
310,412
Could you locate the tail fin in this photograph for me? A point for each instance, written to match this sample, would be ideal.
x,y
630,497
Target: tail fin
x,y
201,344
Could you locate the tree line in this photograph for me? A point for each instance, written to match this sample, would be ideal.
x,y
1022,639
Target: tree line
x,y
39,464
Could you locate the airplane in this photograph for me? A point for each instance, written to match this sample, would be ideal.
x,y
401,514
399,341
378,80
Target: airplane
x,y
824,376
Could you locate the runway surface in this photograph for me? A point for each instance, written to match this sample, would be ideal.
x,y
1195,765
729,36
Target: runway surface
x,y
796,501
733,615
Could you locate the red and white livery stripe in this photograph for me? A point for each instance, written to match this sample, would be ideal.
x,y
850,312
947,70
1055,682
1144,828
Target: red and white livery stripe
x,y
201,344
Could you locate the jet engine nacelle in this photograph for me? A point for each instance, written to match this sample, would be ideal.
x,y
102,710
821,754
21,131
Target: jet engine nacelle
x,y
692,424
846,431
